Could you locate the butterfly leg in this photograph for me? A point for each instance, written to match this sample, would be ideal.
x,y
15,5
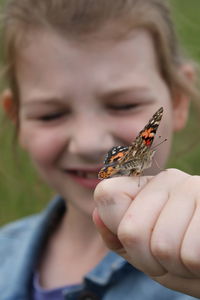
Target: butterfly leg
x,y
139,180
157,165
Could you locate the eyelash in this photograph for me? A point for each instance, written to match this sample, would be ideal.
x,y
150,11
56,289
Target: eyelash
x,y
116,108
123,107
51,117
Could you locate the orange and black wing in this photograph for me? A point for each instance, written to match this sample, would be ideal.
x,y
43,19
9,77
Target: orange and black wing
x,y
149,131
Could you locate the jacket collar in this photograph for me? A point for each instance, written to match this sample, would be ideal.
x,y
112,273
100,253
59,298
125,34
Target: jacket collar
x,y
27,251
27,255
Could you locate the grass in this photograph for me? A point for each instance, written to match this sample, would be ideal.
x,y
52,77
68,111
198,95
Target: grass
x,y
186,146
21,191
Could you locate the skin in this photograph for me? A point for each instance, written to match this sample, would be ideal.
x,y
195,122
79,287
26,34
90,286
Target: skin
x,y
76,102
155,227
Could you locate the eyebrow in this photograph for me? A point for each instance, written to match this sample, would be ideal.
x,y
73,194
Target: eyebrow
x,y
41,101
112,93
117,92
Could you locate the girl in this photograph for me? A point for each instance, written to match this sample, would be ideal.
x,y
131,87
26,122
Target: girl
x,y
85,76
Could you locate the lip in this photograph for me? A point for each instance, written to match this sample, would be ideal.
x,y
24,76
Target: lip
x,y
87,182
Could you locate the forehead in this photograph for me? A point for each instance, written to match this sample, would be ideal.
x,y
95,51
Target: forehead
x,y
49,60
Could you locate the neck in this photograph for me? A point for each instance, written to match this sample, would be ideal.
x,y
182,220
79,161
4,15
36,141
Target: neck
x,y
78,229
74,249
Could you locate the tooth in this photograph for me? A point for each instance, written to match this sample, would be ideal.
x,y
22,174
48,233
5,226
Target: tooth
x,y
81,173
91,175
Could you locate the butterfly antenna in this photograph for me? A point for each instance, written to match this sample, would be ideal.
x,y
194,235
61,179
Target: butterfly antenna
x,y
154,147
139,181
140,174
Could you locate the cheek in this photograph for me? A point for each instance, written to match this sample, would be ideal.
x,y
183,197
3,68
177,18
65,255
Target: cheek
x,y
43,147
165,131
127,131
127,134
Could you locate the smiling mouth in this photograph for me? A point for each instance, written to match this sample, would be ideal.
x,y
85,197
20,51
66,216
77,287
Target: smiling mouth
x,y
85,178
84,174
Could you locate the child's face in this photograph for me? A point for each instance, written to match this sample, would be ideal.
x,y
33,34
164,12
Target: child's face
x,y
79,100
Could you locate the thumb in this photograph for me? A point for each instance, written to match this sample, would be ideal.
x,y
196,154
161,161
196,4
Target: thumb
x,y
111,240
113,198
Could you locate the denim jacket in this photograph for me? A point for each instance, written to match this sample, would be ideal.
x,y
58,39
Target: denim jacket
x,y
113,278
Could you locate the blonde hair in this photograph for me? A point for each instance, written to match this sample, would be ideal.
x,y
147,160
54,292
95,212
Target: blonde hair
x,y
79,19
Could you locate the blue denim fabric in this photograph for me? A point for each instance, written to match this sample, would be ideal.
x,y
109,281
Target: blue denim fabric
x,y
112,279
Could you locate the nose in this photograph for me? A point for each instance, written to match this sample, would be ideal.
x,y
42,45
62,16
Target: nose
x,y
90,137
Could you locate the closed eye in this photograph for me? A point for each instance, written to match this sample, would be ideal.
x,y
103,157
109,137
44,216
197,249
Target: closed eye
x,y
51,117
122,107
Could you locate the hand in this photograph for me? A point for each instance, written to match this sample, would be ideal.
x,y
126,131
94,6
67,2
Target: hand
x,y
154,226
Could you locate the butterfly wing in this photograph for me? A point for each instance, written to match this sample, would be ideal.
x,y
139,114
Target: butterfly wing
x,y
149,131
115,154
112,159
145,138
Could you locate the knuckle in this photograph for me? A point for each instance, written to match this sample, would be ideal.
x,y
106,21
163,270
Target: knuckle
x,y
176,174
104,193
128,236
191,187
161,250
191,261
194,182
173,171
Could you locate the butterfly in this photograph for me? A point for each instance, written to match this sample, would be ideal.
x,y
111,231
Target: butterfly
x,y
133,159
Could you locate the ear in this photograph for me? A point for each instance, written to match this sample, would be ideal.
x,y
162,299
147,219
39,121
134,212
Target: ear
x,y
181,101
9,105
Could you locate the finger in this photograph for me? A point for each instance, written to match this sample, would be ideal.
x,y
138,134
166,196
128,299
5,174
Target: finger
x,y
183,285
190,250
170,228
110,239
138,223
114,196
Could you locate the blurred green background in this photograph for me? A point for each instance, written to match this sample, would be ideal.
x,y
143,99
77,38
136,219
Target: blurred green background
x,y
22,193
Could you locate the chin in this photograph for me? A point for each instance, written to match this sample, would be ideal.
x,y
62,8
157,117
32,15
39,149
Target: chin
x,y
81,203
